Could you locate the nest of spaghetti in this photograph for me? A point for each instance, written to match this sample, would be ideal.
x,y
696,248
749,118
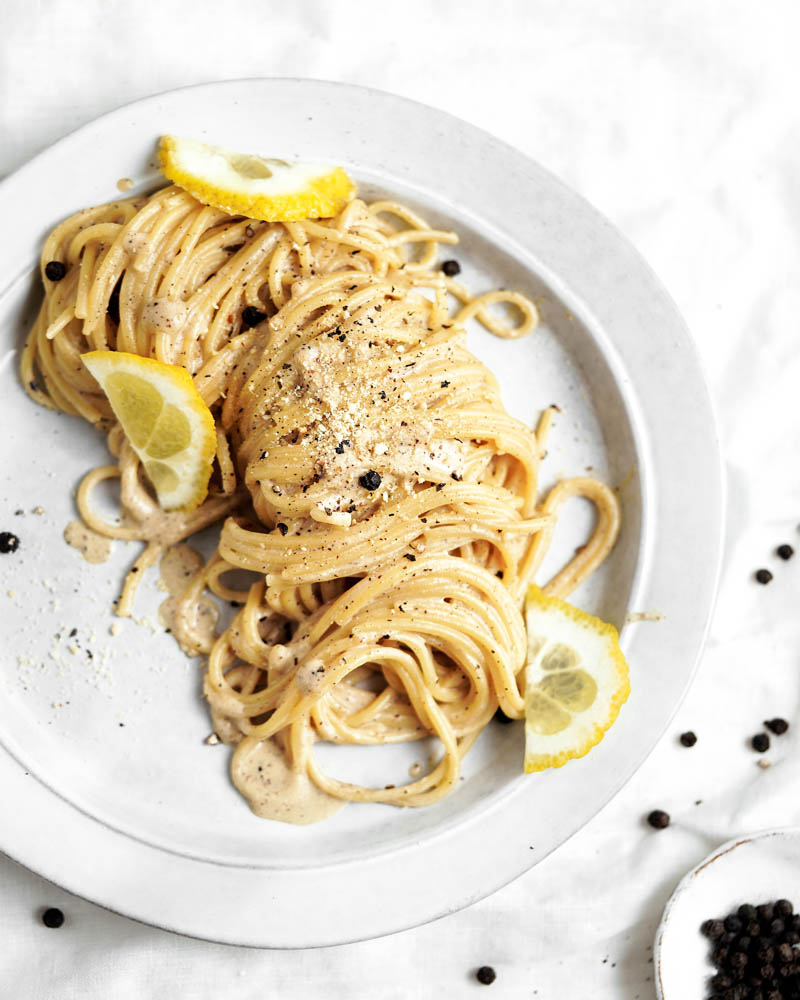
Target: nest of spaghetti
x,y
368,477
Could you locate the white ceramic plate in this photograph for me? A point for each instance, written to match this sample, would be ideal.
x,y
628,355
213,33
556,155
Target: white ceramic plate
x,y
759,868
108,787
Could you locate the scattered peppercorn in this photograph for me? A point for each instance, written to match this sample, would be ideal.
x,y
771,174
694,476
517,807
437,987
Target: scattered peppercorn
x,y
713,929
486,975
54,270
763,575
283,528
370,480
784,551
8,542
252,316
760,743
52,917
658,819
451,268
779,727
688,739
445,384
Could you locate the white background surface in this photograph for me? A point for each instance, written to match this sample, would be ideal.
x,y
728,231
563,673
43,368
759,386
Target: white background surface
x,y
679,121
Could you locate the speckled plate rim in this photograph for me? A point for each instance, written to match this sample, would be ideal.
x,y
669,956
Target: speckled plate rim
x,y
579,254
689,880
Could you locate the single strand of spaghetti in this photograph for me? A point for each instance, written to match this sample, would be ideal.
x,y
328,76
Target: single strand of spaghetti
x,y
88,515
602,539
85,278
148,558
226,468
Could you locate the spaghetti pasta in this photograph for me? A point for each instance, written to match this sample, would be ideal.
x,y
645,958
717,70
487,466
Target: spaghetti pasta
x,y
367,476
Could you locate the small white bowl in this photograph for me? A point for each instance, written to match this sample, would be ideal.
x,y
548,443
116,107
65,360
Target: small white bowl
x,y
757,868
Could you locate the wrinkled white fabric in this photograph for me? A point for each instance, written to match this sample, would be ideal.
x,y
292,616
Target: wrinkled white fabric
x,y
679,121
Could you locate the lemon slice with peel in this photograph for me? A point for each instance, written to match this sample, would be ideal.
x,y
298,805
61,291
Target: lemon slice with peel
x,y
576,681
165,419
260,188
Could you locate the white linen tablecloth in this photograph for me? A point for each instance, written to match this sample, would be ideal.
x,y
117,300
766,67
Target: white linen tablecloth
x,y
680,122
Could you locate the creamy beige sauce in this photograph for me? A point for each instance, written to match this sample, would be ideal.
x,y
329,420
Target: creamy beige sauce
x,y
274,791
200,622
178,565
94,548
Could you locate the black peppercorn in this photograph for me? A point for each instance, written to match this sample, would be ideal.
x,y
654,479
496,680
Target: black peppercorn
x,y
779,727
760,742
753,929
721,981
251,316
486,975
713,929
54,270
8,542
688,739
451,268
742,943
784,551
783,908
370,480
283,528
785,953
658,819
747,911
738,960
52,917
763,576
733,923
777,927
720,956
765,953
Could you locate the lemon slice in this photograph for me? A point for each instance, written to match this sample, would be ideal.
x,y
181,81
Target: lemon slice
x,y
245,184
165,419
576,681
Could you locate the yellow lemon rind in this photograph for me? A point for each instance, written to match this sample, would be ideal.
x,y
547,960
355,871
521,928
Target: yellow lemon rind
x,y
320,198
157,371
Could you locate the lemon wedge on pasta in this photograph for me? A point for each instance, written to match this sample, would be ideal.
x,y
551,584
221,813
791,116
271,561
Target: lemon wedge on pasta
x,y
165,420
576,681
254,186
